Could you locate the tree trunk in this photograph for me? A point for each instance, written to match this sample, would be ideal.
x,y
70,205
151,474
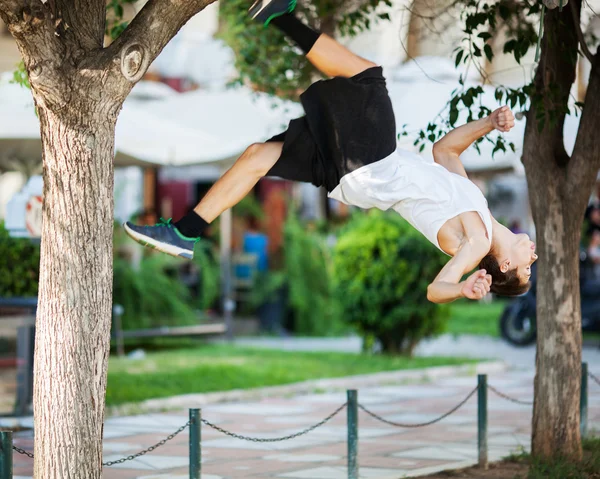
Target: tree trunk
x,y
558,359
75,290
558,198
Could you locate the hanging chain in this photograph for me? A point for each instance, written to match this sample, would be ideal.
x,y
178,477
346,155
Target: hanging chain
x,y
397,424
277,439
128,458
150,449
508,398
22,451
594,378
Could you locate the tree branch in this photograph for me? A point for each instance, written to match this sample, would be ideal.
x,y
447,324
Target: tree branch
x,y
148,33
585,161
577,23
549,102
9,9
84,22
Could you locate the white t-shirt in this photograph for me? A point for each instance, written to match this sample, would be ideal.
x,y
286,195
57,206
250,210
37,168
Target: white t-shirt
x,y
422,192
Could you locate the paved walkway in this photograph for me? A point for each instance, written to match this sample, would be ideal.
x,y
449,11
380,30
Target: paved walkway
x,y
385,452
483,347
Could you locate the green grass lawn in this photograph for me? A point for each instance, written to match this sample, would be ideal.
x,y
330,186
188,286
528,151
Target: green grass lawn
x,y
210,368
473,317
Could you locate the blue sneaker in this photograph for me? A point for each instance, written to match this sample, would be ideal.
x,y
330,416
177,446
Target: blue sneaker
x,y
163,236
266,10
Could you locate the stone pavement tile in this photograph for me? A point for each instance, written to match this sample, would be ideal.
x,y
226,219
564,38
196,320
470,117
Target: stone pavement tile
x,y
340,433
300,457
258,409
390,462
149,462
419,418
303,441
434,469
22,471
111,473
178,476
114,433
333,449
443,453
120,446
327,472
254,468
216,454
512,440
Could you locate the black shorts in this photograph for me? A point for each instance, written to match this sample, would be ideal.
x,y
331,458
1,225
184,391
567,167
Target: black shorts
x,y
349,123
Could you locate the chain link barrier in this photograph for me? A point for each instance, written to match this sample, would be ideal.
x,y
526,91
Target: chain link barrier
x,y
508,398
23,451
128,458
423,424
313,427
276,439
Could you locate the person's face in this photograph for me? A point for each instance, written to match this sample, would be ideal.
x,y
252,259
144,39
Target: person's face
x,y
521,256
595,216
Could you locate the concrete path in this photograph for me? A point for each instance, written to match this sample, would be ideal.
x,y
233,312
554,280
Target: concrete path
x,y
385,452
483,347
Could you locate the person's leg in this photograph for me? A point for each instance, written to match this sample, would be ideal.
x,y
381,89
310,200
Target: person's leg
x,y
329,56
178,239
335,60
239,180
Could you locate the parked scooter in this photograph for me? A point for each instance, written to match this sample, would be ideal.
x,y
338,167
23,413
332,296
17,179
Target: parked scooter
x,y
518,321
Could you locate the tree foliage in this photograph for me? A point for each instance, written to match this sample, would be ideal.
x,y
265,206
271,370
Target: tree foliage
x,y
269,62
482,24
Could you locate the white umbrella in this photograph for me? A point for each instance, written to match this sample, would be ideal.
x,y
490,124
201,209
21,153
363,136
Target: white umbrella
x,y
226,122
20,127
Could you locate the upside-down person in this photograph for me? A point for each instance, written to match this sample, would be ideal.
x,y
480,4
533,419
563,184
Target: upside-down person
x,y
347,142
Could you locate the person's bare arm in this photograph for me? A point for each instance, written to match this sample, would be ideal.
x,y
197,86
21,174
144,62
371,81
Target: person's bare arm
x,y
447,286
448,149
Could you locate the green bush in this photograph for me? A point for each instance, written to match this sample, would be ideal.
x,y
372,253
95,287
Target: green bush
x,y
309,274
305,276
382,269
19,265
151,295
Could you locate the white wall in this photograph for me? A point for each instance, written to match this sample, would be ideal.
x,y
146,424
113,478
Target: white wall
x,y
10,183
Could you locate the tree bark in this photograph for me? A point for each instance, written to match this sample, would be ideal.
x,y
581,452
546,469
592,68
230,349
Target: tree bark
x,y
75,296
78,89
558,197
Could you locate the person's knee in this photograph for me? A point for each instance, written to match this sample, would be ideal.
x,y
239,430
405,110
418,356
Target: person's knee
x,y
369,64
259,158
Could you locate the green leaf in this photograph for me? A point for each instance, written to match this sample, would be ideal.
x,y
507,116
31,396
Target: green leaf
x,y
488,52
453,116
459,56
468,99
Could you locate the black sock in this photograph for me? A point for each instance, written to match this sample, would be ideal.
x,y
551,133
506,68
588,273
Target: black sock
x,y
191,225
302,34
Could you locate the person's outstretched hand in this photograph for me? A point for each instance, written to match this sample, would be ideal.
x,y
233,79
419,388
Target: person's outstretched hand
x,y
503,119
477,285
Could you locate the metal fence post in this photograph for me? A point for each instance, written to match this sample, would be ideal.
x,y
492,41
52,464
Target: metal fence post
x,y
195,448
583,400
352,434
482,420
6,465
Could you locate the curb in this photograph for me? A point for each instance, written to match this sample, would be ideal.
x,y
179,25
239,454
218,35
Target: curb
x,y
187,401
